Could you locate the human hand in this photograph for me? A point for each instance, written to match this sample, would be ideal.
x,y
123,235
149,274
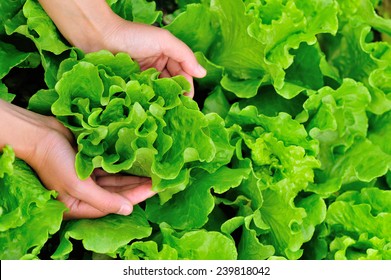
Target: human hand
x,y
45,144
154,47
91,26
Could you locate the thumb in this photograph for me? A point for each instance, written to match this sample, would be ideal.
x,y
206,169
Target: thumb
x,y
177,50
84,198
94,201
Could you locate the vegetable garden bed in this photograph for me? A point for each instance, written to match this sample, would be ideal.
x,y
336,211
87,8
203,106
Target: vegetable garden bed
x,y
284,153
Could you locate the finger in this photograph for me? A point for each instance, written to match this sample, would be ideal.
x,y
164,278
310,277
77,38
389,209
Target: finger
x,y
165,74
139,193
57,171
158,62
80,210
99,198
174,69
121,180
190,80
99,172
180,52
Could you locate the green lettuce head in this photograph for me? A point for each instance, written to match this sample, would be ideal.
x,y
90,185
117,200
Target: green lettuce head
x,y
129,121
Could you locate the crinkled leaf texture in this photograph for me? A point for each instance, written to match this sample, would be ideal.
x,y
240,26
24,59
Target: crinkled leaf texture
x,y
360,224
289,159
200,244
283,159
247,44
136,10
129,121
29,215
118,231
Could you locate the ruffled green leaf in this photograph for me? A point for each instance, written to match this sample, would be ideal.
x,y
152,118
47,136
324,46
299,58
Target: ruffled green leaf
x,y
357,217
136,10
118,231
201,35
7,11
231,49
196,198
149,250
282,27
130,121
11,57
340,124
379,131
271,104
199,244
4,94
7,159
362,248
32,23
249,247
29,215
36,25
359,221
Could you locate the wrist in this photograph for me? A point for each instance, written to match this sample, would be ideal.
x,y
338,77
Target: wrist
x,y
14,130
26,131
84,23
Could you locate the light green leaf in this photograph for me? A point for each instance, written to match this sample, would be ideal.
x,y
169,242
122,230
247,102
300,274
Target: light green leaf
x,y
196,198
200,244
367,211
105,235
201,34
136,10
29,215
149,250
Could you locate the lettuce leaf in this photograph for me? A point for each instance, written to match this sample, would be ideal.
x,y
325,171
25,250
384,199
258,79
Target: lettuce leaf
x,y
361,248
136,10
119,231
148,250
355,54
200,244
11,57
29,215
35,24
32,23
338,120
196,198
283,163
378,131
8,11
231,48
284,27
359,222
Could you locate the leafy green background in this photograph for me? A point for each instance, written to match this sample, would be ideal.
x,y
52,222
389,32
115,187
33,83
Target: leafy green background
x,y
286,149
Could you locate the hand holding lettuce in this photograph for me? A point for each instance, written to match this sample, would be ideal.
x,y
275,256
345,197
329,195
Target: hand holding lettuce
x,y
47,146
129,121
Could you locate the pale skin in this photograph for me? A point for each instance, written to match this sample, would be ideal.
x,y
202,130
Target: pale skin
x,y
48,147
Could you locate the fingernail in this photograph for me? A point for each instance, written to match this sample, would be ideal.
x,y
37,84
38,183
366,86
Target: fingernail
x,y
201,70
125,210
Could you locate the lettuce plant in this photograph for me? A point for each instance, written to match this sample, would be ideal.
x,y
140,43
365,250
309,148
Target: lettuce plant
x,y
129,121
